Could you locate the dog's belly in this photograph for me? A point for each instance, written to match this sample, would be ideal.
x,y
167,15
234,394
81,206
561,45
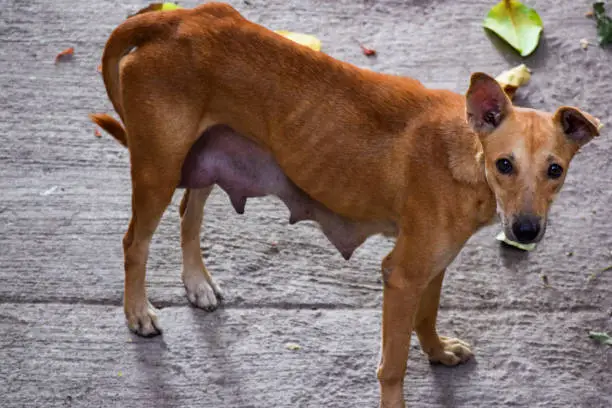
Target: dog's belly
x,y
243,169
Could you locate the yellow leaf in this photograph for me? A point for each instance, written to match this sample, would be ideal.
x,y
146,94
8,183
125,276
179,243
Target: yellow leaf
x,y
513,79
309,41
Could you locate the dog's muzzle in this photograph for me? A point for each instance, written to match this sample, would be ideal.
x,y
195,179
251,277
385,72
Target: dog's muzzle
x,y
527,228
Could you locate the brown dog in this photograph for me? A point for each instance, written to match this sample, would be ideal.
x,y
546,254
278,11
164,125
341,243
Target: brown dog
x,y
208,98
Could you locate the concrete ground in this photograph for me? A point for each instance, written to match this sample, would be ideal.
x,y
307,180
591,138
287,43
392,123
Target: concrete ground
x,y
65,203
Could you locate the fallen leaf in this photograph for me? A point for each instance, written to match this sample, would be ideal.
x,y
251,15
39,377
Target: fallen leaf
x,y
292,346
167,6
513,79
604,24
368,52
601,337
524,247
64,55
519,25
97,133
309,41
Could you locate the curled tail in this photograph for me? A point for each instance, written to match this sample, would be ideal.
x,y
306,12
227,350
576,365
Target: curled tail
x,y
110,125
134,32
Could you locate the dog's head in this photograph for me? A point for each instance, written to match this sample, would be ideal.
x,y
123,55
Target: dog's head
x,y
526,153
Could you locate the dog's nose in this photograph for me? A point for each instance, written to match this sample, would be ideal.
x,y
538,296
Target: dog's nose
x,y
526,228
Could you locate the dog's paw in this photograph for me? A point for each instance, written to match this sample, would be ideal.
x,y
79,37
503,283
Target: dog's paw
x,y
202,293
143,320
453,352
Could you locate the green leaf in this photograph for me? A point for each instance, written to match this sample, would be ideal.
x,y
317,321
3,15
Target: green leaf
x,y
517,24
601,337
604,24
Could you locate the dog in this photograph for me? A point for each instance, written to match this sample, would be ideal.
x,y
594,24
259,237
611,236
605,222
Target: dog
x,y
208,98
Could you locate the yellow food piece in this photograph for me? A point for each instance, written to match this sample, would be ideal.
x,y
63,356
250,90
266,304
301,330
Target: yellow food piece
x,y
513,79
309,41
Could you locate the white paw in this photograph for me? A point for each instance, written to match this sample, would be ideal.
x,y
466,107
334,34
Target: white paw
x,y
202,293
142,320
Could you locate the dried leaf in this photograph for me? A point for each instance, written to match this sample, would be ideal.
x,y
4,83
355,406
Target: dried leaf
x,y
309,41
368,52
604,24
513,79
601,337
518,25
64,55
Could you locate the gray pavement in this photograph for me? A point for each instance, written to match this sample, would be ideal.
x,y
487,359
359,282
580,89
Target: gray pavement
x,y
65,203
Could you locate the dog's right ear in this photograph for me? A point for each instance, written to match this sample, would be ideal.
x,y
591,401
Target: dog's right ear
x,y
486,103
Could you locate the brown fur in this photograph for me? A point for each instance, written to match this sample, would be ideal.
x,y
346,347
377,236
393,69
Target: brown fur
x,y
368,146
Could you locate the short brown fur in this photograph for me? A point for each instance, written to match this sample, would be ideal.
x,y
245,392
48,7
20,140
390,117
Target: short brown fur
x,y
368,146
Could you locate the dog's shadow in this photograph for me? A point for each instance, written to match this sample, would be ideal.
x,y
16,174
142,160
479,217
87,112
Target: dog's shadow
x,y
152,356
535,60
450,381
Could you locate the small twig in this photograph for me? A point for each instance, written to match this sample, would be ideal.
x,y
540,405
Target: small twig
x,y
595,275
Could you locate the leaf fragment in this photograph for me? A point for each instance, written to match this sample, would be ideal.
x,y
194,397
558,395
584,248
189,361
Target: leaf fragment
x,y
309,41
513,79
601,337
518,25
292,346
584,43
64,55
524,247
604,24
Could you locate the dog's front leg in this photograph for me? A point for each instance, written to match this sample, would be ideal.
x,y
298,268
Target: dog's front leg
x,y
445,350
405,274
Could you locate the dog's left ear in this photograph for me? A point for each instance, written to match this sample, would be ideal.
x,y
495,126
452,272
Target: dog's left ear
x,y
487,105
578,126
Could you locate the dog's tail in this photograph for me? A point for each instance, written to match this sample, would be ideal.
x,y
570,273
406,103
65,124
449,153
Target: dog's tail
x,y
110,125
133,32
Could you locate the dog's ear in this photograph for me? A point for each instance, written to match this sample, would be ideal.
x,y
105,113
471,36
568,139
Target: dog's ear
x,y
578,126
486,103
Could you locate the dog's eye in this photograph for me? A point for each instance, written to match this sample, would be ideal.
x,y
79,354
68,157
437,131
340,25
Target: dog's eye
x,y
555,171
504,166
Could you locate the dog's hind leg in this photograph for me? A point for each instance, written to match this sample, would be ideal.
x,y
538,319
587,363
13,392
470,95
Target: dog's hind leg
x,y
156,172
201,290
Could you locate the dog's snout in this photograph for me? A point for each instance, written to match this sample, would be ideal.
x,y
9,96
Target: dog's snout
x,y
526,228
